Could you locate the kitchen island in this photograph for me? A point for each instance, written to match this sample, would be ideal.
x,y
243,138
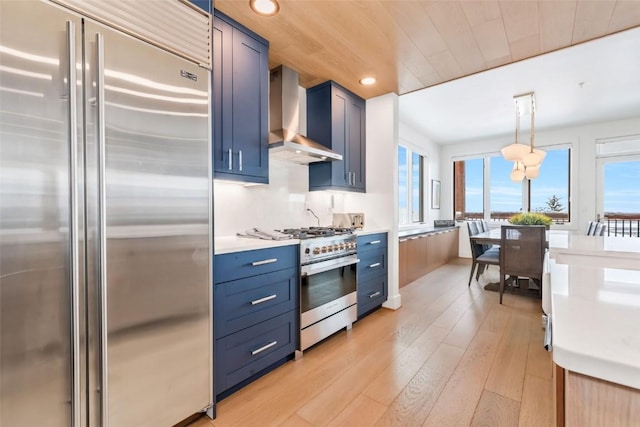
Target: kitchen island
x,y
595,300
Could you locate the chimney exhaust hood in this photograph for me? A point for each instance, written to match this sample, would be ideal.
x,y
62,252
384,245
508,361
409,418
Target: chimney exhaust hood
x,y
285,142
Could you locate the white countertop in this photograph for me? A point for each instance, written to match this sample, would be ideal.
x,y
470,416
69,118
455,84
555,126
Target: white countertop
x,y
613,252
229,244
366,231
596,319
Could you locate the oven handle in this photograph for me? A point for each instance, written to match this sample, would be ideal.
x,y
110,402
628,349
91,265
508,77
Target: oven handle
x,y
321,267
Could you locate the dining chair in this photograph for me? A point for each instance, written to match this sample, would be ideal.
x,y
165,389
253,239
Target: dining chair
x,y
522,250
600,229
472,226
485,227
591,228
480,258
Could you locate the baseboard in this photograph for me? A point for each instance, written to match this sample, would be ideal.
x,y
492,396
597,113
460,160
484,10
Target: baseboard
x,y
393,302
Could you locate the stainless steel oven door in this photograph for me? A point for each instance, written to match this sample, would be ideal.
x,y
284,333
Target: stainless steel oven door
x,y
327,288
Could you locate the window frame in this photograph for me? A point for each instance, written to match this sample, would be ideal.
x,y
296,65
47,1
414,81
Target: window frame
x,y
526,184
407,220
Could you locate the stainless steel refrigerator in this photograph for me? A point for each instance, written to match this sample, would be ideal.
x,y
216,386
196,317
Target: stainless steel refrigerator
x,y
105,225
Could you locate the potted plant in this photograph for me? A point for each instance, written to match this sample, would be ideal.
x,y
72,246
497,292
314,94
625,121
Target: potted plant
x,y
531,218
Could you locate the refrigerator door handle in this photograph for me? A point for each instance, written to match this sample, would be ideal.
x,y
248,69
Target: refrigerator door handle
x,y
74,234
102,241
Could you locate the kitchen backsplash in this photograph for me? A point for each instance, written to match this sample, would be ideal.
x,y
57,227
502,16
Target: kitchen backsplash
x,y
282,203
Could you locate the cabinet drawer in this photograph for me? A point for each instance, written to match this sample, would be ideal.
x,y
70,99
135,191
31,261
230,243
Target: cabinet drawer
x,y
372,242
238,265
371,293
245,353
245,302
371,264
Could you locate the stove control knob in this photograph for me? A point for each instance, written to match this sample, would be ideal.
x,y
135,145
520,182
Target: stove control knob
x,y
342,246
307,251
330,248
324,250
316,251
336,247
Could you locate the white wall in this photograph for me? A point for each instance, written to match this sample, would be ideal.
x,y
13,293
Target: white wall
x,y
583,165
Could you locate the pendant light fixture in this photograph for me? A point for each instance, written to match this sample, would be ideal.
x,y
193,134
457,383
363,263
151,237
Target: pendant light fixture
x,y
527,159
518,173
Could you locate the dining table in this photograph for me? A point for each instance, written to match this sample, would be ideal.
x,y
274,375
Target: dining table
x,y
554,238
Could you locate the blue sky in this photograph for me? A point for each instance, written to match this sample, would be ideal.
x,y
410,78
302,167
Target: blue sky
x,y
622,187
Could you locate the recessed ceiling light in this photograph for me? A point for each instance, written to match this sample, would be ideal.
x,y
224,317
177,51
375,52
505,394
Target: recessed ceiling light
x,y
367,81
265,7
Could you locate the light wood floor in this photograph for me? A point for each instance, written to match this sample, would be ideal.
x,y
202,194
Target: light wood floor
x,y
451,356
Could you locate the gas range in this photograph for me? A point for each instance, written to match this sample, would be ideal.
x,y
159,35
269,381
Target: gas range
x,y
314,232
328,282
324,243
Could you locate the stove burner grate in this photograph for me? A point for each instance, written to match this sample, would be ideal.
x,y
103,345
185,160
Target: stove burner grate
x,y
311,232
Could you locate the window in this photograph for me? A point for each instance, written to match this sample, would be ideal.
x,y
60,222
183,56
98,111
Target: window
x,y
505,196
618,193
621,193
468,185
549,193
411,175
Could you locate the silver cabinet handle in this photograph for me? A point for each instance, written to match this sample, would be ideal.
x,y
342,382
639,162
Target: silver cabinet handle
x,y
230,159
374,242
240,160
261,300
263,348
102,233
265,261
374,265
74,230
375,294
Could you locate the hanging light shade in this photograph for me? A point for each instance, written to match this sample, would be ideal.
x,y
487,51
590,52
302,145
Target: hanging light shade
x,y
518,172
514,152
532,172
533,158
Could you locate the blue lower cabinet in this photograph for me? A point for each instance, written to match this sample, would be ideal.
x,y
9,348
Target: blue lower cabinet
x,y
371,294
246,302
243,354
372,272
256,301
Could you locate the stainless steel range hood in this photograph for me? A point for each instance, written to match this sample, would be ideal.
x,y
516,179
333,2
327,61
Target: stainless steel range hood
x,y
285,142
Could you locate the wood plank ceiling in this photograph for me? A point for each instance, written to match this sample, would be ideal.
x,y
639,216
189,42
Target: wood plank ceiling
x,y
409,44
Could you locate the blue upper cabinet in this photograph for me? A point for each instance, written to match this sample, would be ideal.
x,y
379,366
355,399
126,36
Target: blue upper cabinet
x,y
203,4
240,102
336,119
